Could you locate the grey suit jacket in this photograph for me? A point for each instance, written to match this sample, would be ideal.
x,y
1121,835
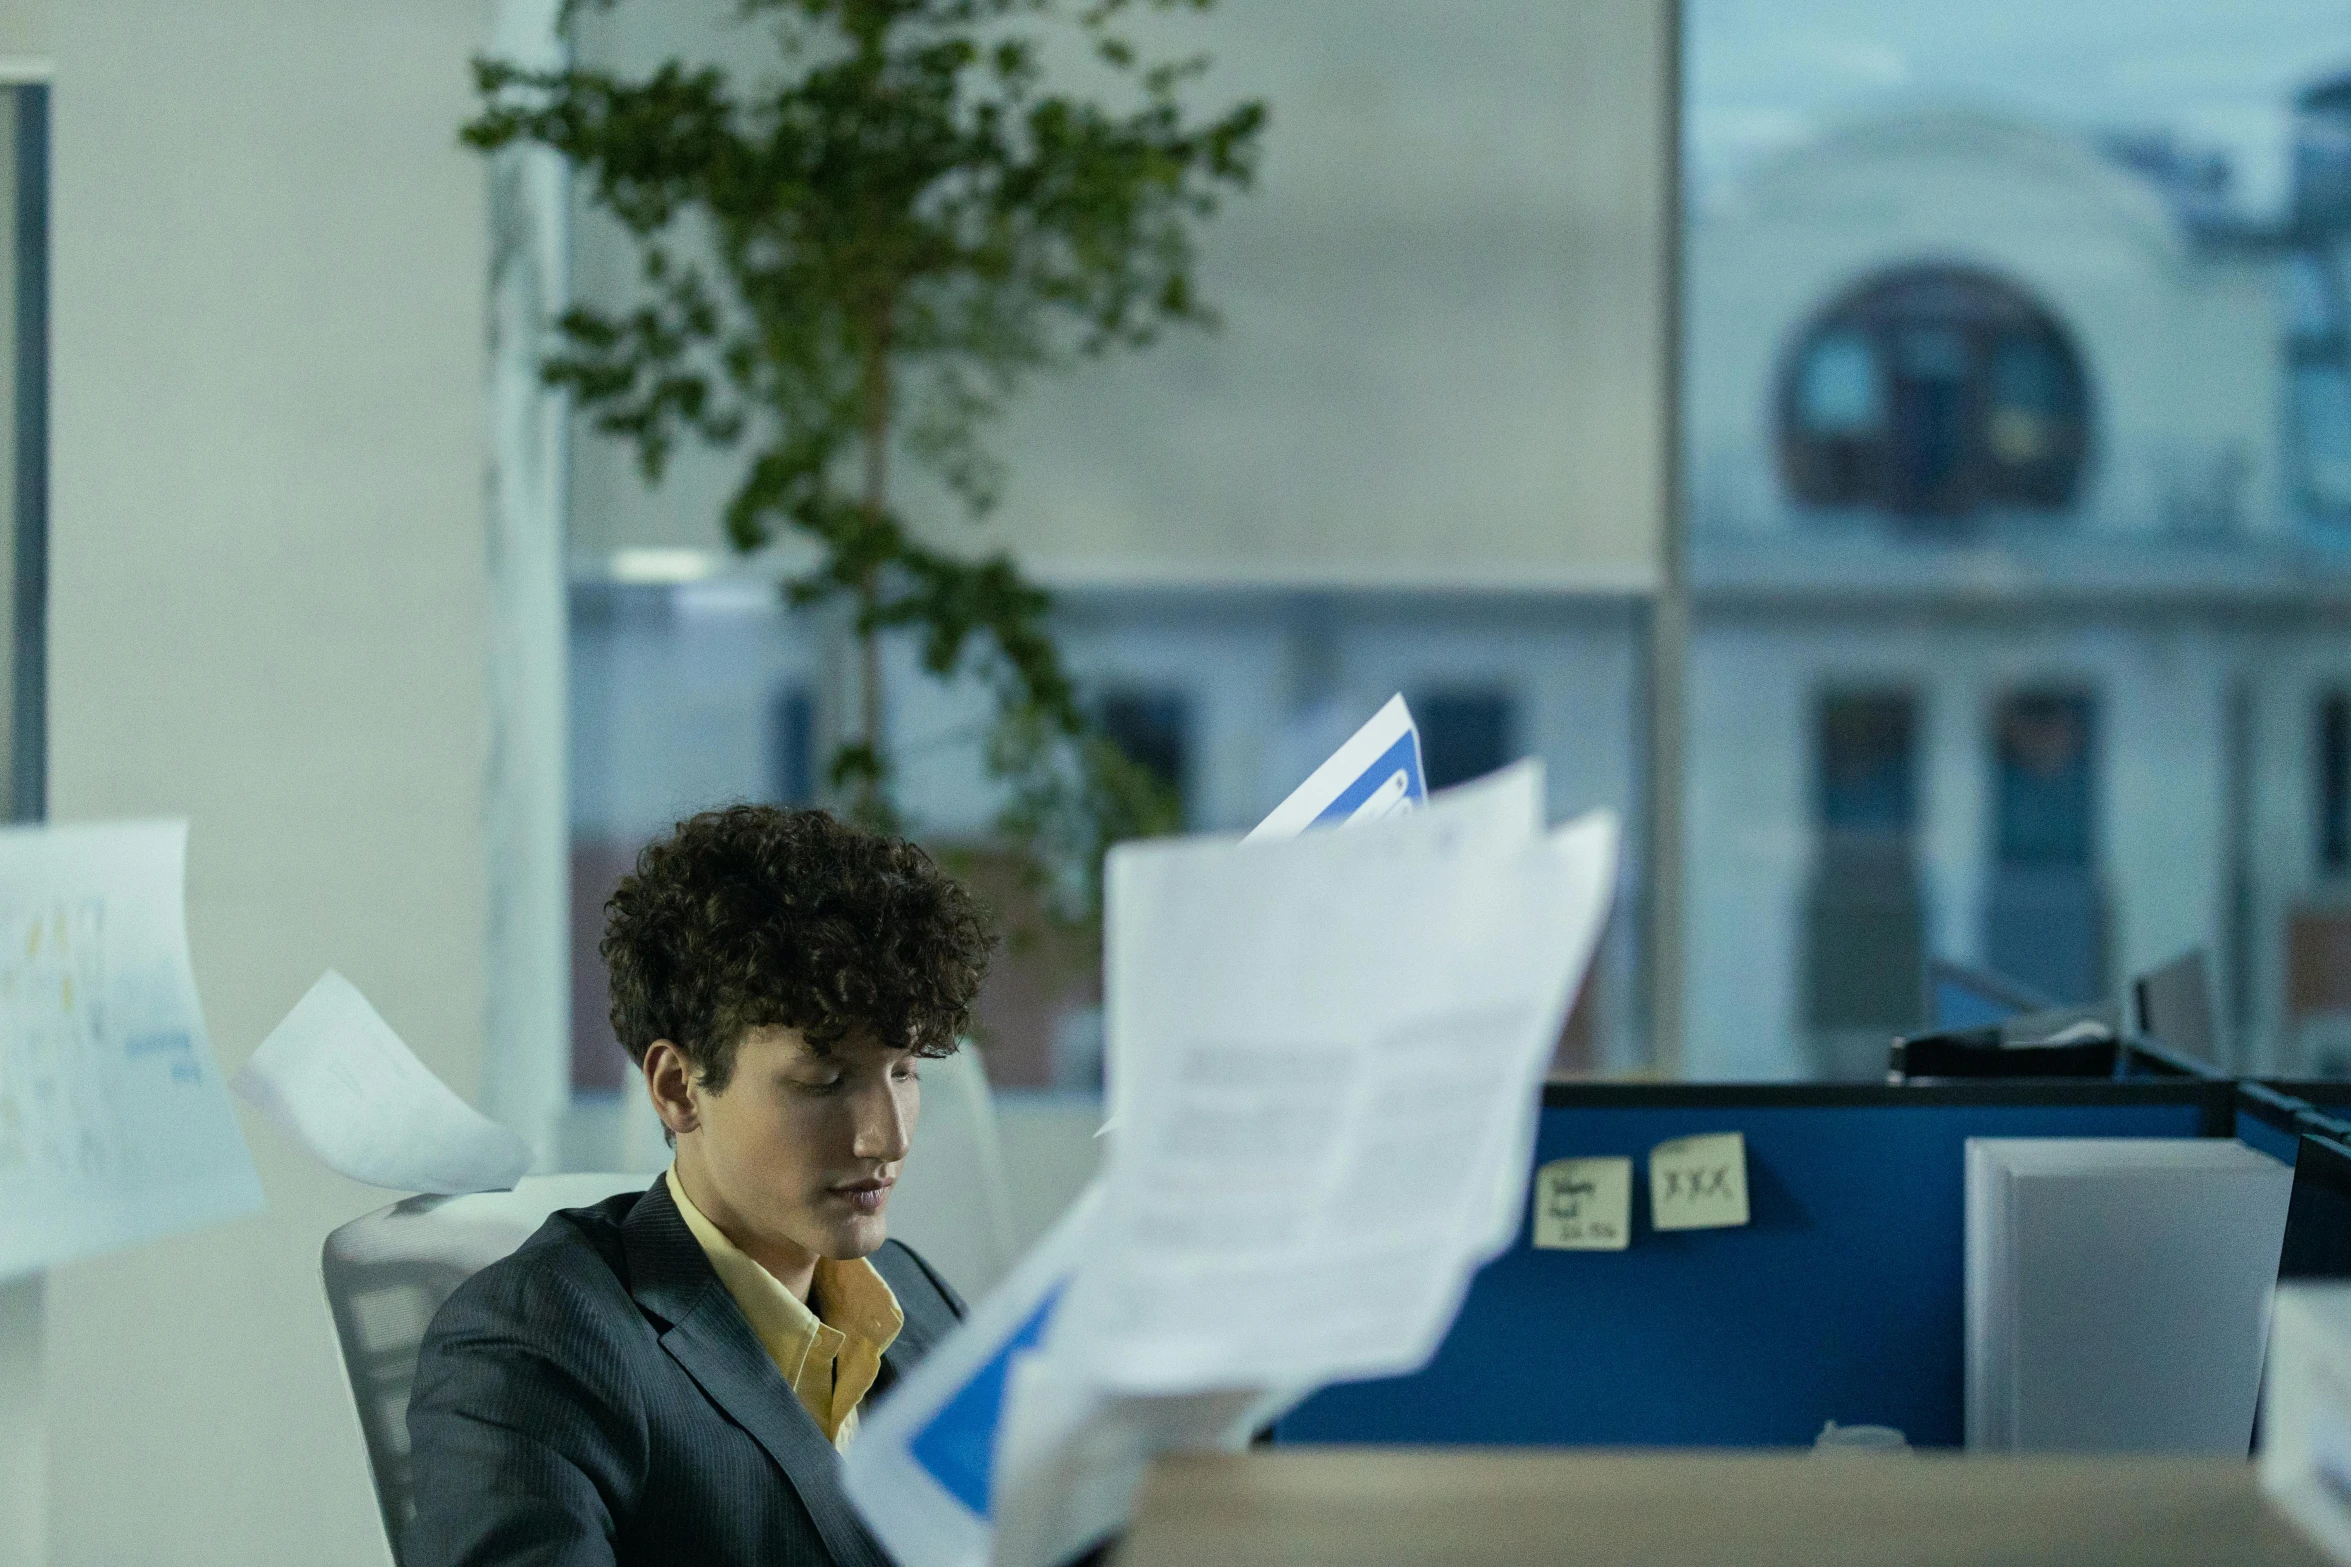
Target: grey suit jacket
x,y
598,1400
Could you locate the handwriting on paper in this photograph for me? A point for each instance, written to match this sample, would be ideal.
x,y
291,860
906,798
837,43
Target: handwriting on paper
x,y
1584,1205
1699,1183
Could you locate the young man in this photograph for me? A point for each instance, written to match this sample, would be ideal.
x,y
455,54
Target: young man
x,y
666,1377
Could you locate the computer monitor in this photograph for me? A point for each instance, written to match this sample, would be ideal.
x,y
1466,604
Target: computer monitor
x,y
1960,997
2175,1006
2318,1217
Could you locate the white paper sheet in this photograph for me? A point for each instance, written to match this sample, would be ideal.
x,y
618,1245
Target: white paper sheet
x,y
1325,1130
113,1124
923,1467
1493,815
351,1091
997,1451
1072,1454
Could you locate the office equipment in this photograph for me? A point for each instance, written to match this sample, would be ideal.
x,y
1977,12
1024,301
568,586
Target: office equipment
x,y
950,1202
2306,1413
2318,1216
387,1272
1960,997
335,1076
2118,1292
1420,1508
1839,1300
115,1125
2174,1005
1986,1053
2269,1120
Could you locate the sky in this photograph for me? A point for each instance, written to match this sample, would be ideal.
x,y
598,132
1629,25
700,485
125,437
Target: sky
x,y
1765,75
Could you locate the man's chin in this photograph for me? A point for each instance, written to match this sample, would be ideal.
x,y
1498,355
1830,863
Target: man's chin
x,y
859,1237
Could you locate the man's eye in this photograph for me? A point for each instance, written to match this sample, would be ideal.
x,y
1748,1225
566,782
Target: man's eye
x,y
824,1087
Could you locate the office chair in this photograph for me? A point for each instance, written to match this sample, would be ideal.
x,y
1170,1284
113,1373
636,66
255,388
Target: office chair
x,y
2175,1006
388,1271
950,1202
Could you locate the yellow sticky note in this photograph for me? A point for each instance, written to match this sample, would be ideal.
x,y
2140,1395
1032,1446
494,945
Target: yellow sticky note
x,y
1699,1183
1584,1205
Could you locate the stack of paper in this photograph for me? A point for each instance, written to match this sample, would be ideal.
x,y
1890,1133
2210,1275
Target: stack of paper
x,y
1327,1052
2306,1412
2118,1292
1324,1064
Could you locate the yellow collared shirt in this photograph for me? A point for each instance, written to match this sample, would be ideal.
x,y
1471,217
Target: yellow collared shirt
x,y
831,1359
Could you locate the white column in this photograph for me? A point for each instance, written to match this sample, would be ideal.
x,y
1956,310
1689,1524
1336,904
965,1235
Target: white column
x,y
24,1466
527,1081
269,603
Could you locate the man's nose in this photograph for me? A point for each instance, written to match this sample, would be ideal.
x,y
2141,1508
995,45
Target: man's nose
x,y
881,1126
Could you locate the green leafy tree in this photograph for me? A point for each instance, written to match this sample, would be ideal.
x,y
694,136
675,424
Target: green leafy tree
x,y
855,261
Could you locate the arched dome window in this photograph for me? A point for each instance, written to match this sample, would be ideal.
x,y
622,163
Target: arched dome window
x,y
1934,391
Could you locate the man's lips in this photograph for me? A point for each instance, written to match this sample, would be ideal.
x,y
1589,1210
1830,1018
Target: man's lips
x,y
866,1196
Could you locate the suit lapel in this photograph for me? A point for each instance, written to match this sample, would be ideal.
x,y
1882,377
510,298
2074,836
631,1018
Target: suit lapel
x,y
708,1337
925,1324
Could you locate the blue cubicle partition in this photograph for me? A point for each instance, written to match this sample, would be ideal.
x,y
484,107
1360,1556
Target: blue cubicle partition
x,y
2271,1117
2318,1215
1840,1300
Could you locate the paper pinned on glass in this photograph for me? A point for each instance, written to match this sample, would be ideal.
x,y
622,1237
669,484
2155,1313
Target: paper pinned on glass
x,y
335,1075
114,1123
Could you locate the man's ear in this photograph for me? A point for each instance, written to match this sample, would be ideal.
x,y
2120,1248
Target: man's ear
x,y
669,1082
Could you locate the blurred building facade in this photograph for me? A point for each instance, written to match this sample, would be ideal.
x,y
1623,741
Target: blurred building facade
x,y
2017,481
2020,588
1419,456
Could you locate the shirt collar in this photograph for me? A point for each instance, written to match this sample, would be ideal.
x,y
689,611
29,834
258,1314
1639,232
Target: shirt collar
x,y
856,1303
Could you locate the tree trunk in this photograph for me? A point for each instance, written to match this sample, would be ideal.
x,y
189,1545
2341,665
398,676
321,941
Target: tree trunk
x,y
876,501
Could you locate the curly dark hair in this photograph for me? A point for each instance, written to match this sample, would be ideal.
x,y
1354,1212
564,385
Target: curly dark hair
x,y
758,915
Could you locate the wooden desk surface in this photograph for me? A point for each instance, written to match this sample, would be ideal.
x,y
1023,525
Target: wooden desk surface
x,y
1309,1506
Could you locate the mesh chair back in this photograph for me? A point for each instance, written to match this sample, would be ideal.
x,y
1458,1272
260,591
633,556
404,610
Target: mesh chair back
x,y
387,1272
951,1202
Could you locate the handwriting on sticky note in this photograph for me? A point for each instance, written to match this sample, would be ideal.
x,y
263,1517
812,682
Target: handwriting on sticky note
x,y
1584,1205
1699,1183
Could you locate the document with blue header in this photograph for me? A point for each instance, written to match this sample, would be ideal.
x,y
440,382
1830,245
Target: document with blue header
x,y
923,1467
1325,1053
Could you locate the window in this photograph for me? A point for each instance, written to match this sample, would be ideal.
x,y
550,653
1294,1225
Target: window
x,y
1934,392
1463,735
791,746
2334,785
1154,728
1866,788
1865,920
2044,771
2046,913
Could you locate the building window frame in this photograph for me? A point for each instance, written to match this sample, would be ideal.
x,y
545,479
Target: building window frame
x,y
1935,390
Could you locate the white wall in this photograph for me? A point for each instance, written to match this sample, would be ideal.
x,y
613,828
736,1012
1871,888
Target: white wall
x,y
1441,360
23,1461
269,616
